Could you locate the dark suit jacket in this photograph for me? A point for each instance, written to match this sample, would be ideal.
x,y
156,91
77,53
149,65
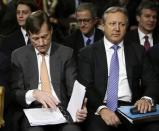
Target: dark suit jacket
x,y
75,40
64,8
4,69
133,36
153,55
93,73
12,42
5,76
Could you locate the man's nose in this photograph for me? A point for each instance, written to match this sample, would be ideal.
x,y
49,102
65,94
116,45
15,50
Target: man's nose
x,y
20,14
41,41
117,27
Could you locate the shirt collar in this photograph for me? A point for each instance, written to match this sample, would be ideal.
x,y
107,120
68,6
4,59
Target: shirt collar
x,y
91,37
142,35
47,53
109,44
23,32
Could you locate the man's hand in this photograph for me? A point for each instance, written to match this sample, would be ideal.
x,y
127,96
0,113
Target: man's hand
x,y
46,99
82,114
143,105
109,117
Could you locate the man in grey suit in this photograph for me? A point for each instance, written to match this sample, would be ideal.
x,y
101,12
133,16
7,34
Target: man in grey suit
x,y
27,83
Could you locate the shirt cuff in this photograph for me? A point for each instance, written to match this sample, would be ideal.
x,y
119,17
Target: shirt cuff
x,y
146,98
29,97
99,109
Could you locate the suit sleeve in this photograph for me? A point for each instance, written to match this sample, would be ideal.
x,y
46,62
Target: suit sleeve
x,y
70,72
86,76
150,80
17,82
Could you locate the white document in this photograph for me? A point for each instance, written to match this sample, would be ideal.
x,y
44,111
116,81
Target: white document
x,y
42,116
76,100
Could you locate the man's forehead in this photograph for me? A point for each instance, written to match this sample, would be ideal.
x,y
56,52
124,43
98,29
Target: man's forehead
x,y
38,34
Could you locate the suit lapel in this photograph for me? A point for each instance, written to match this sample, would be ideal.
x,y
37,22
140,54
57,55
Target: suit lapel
x,y
101,63
155,38
130,60
20,41
80,41
102,56
32,67
55,69
133,37
98,35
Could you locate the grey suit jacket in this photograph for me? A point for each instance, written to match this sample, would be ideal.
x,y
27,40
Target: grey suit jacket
x,y
25,72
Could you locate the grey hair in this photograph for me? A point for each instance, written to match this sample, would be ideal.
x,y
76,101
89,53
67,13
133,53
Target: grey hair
x,y
115,9
88,6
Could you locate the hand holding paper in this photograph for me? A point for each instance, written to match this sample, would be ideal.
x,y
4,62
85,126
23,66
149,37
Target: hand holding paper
x,y
82,114
76,100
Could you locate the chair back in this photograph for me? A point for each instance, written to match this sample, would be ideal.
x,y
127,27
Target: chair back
x,y
1,106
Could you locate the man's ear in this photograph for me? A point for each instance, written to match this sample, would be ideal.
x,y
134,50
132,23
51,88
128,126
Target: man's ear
x,y
138,18
51,30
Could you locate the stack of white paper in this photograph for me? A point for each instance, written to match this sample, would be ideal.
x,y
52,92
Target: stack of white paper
x,y
42,116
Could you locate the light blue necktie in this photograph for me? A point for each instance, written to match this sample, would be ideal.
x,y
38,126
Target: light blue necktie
x,y
112,91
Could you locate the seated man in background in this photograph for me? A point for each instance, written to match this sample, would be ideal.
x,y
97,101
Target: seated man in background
x,y
86,16
19,37
145,34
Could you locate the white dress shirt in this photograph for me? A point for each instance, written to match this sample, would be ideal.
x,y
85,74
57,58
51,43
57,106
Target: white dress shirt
x,y
26,38
142,38
124,92
91,38
29,95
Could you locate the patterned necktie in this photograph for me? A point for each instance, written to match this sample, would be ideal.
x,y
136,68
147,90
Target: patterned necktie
x,y
88,41
112,91
146,43
45,83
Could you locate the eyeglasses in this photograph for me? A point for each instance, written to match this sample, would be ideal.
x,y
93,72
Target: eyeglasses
x,y
65,113
85,20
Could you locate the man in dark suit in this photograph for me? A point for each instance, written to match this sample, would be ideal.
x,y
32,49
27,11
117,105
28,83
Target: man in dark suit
x,y
4,81
29,88
11,42
153,55
86,16
19,37
116,73
147,20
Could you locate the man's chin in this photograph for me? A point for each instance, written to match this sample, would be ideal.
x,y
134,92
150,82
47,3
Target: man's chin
x,y
42,51
21,24
86,33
